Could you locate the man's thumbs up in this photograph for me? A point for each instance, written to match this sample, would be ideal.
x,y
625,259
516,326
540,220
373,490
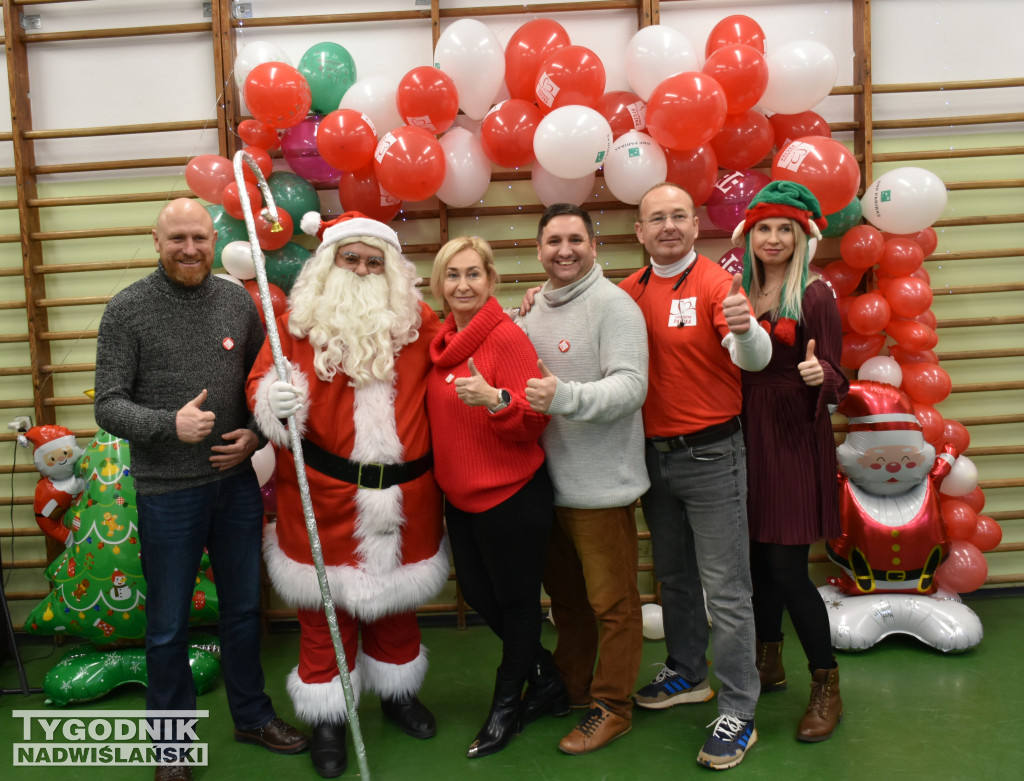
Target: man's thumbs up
x,y
735,308
193,424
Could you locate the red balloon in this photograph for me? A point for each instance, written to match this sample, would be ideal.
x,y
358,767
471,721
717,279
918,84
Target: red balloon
x,y
277,94
822,165
742,72
427,98
868,313
410,163
907,296
900,257
208,175
735,29
744,140
526,50
732,261
262,159
346,139
975,499
790,127
960,520
572,75
862,246
956,434
926,240
694,170
278,300
912,356
931,422
624,111
926,383
686,110
843,304
256,133
361,191
911,335
857,348
965,570
269,238
233,202
843,278
987,534
922,275
506,133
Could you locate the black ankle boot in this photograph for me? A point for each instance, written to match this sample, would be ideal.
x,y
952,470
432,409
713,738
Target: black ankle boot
x,y
503,722
327,750
545,692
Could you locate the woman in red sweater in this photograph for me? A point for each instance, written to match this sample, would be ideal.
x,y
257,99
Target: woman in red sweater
x,y
498,496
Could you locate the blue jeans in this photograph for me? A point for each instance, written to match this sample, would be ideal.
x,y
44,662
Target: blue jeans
x,y
696,510
225,517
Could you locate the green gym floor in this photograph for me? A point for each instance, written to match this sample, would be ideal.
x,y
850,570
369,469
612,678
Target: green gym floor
x,y
911,713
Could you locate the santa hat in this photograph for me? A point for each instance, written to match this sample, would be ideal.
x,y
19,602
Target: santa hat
x,y
782,199
350,225
46,438
880,413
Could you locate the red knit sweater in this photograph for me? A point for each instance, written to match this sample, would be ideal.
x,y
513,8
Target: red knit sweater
x,y
483,458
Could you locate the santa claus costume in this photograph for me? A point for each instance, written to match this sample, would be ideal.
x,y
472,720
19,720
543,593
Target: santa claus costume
x,y
55,455
366,444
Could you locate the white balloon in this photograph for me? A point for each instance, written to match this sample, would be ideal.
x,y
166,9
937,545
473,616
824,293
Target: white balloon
x,y
635,164
881,368
472,55
555,189
253,54
264,461
231,279
904,200
467,172
962,478
375,96
800,75
236,257
655,53
653,622
572,141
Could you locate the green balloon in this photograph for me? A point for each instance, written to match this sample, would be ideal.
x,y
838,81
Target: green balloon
x,y
330,71
293,194
284,265
228,230
842,220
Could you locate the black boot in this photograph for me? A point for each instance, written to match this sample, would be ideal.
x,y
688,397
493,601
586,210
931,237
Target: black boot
x,y
503,722
327,750
545,692
410,715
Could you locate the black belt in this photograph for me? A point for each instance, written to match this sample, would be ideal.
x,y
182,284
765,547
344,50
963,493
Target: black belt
x,y
866,577
368,475
705,436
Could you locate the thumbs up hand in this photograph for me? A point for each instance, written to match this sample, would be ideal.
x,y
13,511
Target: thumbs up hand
x,y
474,390
541,392
810,369
735,307
193,424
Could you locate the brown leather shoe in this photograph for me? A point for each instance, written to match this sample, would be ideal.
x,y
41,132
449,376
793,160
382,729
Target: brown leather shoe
x,y
825,710
769,667
596,730
276,735
173,773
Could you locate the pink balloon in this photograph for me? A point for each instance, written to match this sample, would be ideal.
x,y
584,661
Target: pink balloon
x,y
299,147
731,196
965,570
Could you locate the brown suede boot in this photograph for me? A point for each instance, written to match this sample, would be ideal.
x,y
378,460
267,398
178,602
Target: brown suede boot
x,y
825,709
769,667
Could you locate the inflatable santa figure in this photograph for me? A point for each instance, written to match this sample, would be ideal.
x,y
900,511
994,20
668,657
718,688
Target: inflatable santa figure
x,y
55,455
893,536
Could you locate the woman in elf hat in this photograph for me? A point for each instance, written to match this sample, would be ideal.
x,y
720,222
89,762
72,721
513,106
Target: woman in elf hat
x,y
792,498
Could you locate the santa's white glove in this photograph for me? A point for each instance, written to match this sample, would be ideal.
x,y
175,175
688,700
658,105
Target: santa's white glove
x,y
284,398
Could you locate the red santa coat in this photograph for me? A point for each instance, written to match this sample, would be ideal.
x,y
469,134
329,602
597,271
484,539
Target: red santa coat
x,y
383,549
50,505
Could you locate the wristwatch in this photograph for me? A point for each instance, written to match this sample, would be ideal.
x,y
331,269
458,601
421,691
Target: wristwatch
x,y
506,399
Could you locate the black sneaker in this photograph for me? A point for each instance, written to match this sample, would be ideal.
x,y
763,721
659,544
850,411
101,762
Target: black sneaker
x,y
670,688
729,741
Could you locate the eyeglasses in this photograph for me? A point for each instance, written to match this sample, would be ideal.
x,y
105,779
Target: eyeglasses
x,y
352,260
660,219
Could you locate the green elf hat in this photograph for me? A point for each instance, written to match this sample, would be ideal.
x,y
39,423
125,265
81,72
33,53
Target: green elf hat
x,y
792,201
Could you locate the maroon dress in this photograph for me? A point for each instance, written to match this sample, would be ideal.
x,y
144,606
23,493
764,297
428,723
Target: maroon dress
x,y
792,490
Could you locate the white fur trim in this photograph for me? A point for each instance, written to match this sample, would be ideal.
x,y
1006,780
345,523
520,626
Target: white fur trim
x,y
737,234
269,423
815,231
310,223
322,703
355,228
393,681
354,589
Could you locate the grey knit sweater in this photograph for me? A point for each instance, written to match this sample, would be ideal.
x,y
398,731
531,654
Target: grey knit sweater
x,y
159,345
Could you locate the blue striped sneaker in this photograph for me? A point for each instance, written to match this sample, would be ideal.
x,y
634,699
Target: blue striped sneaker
x,y
729,741
670,688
